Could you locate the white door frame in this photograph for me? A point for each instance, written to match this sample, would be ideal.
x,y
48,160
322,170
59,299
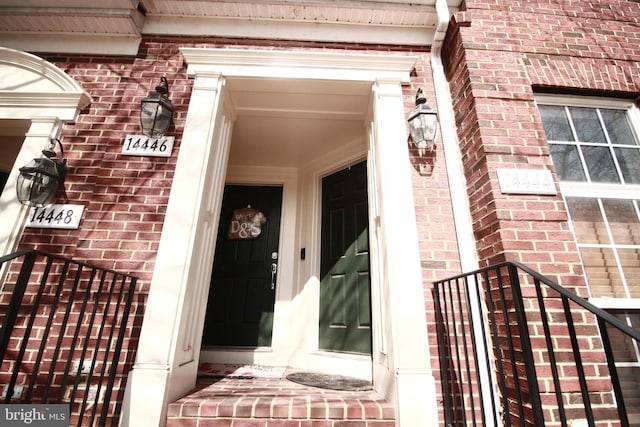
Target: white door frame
x,y
288,179
166,362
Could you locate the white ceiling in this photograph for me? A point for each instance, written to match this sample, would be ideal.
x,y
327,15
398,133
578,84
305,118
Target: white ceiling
x,y
11,136
292,122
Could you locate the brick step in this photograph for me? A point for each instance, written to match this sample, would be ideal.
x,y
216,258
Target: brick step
x,y
266,402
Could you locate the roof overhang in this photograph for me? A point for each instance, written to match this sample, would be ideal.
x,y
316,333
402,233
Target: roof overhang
x,y
116,26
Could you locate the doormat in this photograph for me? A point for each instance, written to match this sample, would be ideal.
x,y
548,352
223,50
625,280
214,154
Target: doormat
x,y
333,382
223,370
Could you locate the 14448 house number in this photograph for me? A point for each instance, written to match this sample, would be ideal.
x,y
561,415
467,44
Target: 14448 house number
x,y
55,216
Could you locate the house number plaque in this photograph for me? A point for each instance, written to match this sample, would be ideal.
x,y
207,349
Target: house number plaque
x,y
55,216
526,181
142,145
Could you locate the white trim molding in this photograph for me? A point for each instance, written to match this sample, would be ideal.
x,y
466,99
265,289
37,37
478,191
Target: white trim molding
x,y
301,65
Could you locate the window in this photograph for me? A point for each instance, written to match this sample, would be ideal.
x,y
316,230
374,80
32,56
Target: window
x,y
595,149
592,144
608,234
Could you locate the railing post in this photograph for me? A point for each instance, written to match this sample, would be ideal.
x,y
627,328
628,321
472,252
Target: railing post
x,y
118,347
527,351
15,303
445,362
481,352
613,372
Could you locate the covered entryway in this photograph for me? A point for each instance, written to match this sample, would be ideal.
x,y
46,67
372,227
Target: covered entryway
x,y
290,119
291,134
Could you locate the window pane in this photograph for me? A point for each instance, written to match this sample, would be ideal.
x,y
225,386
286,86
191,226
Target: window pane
x,y
602,273
556,124
587,125
587,221
623,221
625,351
629,160
621,344
629,377
567,162
600,164
618,127
630,261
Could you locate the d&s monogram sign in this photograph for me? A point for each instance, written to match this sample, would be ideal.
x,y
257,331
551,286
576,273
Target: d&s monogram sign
x,y
246,223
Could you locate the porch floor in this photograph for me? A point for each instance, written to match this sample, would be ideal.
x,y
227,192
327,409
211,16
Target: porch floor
x,y
268,402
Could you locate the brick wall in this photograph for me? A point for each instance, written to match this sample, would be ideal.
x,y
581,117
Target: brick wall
x,y
497,55
125,197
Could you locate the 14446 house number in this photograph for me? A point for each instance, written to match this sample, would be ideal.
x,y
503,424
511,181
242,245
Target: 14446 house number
x,y
55,216
141,145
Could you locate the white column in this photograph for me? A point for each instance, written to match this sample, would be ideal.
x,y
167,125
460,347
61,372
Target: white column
x,y
409,348
167,356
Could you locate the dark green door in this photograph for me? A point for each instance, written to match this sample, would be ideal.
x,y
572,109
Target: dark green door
x,y
242,291
345,302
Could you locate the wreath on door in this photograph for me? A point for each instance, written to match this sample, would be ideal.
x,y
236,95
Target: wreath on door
x,y
246,224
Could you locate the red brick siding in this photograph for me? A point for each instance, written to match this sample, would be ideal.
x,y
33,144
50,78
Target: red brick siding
x,y
496,54
125,197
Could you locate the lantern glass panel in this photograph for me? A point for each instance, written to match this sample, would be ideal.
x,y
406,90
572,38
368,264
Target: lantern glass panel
x,y
155,116
38,182
423,128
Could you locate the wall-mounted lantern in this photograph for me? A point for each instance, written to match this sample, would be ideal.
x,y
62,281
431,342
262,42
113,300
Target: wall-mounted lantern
x,y
423,123
40,179
156,111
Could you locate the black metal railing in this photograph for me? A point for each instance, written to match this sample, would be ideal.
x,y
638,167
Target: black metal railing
x,y
517,349
64,327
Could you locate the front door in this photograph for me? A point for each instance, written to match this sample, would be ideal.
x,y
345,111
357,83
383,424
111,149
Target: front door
x,y
243,282
345,302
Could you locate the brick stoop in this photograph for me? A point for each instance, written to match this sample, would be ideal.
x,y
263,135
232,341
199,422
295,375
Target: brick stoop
x,y
267,402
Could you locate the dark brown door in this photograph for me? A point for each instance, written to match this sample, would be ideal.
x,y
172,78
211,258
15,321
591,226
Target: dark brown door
x,y
345,302
242,291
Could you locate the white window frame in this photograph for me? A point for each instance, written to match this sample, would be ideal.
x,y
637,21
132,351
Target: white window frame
x,y
601,190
